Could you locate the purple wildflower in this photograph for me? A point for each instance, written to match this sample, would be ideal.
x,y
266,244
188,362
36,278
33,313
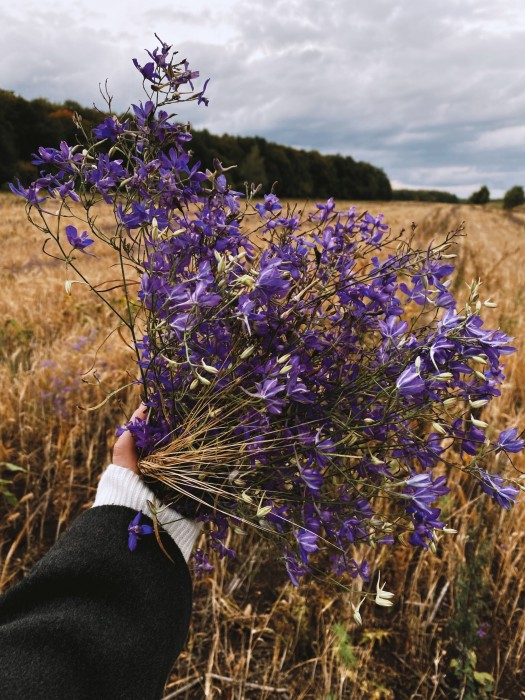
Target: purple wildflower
x,y
270,206
136,531
294,568
307,541
202,564
508,441
409,382
498,488
79,241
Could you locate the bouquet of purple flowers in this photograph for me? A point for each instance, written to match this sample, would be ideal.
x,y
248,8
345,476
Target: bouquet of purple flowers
x,y
306,372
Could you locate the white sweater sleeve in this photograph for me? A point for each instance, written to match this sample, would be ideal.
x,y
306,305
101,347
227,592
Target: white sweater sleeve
x,y
122,487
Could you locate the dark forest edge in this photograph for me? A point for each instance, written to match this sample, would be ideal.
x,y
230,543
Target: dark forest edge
x,y
27,124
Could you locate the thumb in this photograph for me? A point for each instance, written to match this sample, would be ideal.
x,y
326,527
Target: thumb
x,y
125,451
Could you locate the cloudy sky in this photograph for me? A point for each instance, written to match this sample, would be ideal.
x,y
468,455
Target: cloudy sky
x,y
432,91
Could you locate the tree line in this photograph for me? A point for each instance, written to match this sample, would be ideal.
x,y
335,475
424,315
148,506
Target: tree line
x,y
25,125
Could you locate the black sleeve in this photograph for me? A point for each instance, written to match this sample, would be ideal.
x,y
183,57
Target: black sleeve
x,y
94,620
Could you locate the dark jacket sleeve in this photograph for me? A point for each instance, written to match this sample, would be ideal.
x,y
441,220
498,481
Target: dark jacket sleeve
x,y
94,620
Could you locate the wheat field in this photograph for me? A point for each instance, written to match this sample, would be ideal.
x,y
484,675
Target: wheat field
x,y
457,629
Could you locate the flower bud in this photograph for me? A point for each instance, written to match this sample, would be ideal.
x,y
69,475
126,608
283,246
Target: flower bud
x,y
478,423
357,615
246,281
281,360
246,353
194,384
209,368
442,376
202,379
383,597
439,428
479,403
450,401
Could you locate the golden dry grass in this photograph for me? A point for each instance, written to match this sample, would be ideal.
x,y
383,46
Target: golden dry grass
x,y
254,635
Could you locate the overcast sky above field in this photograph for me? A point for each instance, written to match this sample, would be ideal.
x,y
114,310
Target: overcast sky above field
x,y
431,91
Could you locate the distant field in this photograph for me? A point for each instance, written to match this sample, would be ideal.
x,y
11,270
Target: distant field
x,y
253,634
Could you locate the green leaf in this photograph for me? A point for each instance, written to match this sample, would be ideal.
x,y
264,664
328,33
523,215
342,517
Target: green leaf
x,y
483,678
10,498
12,467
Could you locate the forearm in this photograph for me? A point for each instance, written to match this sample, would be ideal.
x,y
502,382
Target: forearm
x,y
93,619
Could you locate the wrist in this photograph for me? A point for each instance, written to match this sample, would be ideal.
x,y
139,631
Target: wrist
x,y
120,486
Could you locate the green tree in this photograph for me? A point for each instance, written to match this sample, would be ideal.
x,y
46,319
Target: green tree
x,y
252,168
514,197
482,196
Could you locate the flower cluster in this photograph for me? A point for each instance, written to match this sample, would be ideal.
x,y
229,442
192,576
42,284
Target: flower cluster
x,y
305,371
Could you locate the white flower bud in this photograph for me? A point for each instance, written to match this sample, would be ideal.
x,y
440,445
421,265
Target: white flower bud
x,y
478,423
202,379
479,403
281,360
209,368
357,615
246,353
383,597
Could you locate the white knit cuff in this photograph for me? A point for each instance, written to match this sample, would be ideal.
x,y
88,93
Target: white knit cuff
x,y
122,487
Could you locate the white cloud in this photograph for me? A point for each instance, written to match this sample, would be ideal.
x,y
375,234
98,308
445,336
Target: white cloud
x,y
510,137
429,91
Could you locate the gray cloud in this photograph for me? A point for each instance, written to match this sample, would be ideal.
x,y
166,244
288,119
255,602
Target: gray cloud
x,y
429,91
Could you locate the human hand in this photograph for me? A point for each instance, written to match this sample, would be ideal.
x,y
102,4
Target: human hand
x,y
125,451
